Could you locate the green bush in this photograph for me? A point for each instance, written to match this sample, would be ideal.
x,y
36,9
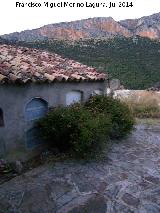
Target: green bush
x,y
91,136
83,130
76,130
120,114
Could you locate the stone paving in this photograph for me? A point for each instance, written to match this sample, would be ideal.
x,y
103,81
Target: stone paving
x,y
127,181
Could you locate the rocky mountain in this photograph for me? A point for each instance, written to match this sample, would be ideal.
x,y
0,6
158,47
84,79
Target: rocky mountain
x,y
148,26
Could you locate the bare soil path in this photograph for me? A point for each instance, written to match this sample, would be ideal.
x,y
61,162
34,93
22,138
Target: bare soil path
x,y
128,181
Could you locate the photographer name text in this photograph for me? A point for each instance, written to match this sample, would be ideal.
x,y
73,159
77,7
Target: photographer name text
x,y
68,4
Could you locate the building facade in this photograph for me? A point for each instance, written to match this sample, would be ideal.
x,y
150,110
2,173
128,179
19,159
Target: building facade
x,y
27,93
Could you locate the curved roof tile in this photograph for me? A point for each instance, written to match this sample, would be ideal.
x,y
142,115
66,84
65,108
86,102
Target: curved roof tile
x,y
23,65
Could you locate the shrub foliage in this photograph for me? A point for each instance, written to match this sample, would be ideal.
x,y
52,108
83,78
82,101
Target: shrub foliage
x,y
121,117
75,129
83,130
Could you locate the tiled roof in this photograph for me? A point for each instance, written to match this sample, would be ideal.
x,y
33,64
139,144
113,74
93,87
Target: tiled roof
x,y
22,65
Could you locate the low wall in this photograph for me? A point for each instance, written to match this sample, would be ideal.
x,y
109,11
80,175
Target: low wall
x,y
138,95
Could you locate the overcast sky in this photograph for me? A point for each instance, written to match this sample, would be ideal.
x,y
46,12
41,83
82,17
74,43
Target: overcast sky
x,y
17,19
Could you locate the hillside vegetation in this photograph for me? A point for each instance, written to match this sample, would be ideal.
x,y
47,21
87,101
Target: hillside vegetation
x,y
135,61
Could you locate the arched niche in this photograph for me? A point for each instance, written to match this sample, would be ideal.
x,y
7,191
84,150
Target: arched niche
x,y
97,92
35,109
73,97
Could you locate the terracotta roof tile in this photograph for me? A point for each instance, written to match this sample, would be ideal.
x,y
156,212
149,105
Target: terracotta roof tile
x,y
23,65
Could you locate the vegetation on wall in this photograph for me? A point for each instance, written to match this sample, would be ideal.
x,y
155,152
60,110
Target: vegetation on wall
x,y
135,61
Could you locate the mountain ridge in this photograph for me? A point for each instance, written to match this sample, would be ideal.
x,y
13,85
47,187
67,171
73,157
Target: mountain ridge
x,y
97,27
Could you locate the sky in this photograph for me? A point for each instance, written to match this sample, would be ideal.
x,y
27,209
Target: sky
x,y
16,19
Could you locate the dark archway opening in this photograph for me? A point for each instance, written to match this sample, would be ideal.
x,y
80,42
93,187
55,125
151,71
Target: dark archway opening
x,y
1,118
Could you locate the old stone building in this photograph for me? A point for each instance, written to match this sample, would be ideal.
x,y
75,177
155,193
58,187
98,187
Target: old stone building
x,y
32,81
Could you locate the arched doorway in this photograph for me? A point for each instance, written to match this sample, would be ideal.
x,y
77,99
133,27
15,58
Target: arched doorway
x,y
35,109
33,138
